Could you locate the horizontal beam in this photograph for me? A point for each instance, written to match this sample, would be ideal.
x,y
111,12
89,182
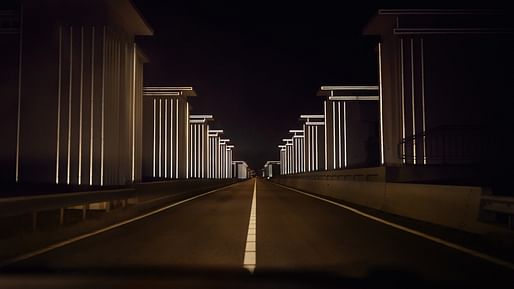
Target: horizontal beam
x,y
312,116
201,116
354,97
410,31
167,88
350,87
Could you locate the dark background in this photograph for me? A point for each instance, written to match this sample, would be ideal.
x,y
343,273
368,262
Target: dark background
x,y
257,65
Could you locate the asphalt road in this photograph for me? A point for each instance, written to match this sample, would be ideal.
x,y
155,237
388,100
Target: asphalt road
x,y
294,233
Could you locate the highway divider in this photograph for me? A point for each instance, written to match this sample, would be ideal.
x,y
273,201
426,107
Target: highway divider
x,y
458,207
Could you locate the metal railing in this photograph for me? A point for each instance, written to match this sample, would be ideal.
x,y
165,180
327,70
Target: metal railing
x,y
443,145
501,206
34,204
9,22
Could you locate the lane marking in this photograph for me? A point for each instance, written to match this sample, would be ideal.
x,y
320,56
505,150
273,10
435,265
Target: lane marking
x,y
440,241
250,258
111,227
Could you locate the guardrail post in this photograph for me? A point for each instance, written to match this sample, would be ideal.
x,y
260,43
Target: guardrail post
x,y
34,220
61,216
84,209
123,203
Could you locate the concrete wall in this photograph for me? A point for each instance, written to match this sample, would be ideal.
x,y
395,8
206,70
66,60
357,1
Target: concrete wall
x,y
452,206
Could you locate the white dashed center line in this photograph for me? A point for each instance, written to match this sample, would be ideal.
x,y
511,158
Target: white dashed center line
x,y
251,238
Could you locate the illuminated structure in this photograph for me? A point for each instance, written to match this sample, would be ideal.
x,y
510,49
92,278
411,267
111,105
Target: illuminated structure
x,y
421,59
314,152
444,76
271,169
199,152
298,150
225,158
166,132
240,170
214,167
351,125
72,92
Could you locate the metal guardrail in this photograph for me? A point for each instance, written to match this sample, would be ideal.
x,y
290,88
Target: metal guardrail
x,y
449,144
500,205
22,205
18,206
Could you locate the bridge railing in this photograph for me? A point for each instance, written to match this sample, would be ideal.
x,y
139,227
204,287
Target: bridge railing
x,y
64,204
501,207
18,206
443,145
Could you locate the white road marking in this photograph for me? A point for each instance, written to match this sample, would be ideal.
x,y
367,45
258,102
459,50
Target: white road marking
x,y
250,258
440,241
82,237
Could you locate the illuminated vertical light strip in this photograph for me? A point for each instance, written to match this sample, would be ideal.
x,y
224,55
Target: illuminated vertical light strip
x,y
177,159
307,130
103,111
225,157
423,102
413,101
202,134
334,156
217,158
200,150
207,159
197,152
154,135
70,91
134,63
312,132
344,136
381,104
214,170
290,159
57,157
315,166
250,256
81,96
91,130
302,154
310,152
325,127
192,143
18,116
281,162
187,140
194,150
165,138
339,127
208,153
171,138
297,155
160,138
403,101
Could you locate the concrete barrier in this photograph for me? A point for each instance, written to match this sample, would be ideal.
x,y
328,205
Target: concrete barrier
x,y
451,206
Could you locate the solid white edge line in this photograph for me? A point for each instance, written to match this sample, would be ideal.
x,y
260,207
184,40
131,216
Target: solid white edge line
x,y
250,255
108,228
412,231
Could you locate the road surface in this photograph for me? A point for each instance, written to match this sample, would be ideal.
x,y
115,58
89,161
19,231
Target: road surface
x,y
292,231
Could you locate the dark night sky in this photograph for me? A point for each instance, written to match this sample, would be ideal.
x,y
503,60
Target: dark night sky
x,y
256,65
